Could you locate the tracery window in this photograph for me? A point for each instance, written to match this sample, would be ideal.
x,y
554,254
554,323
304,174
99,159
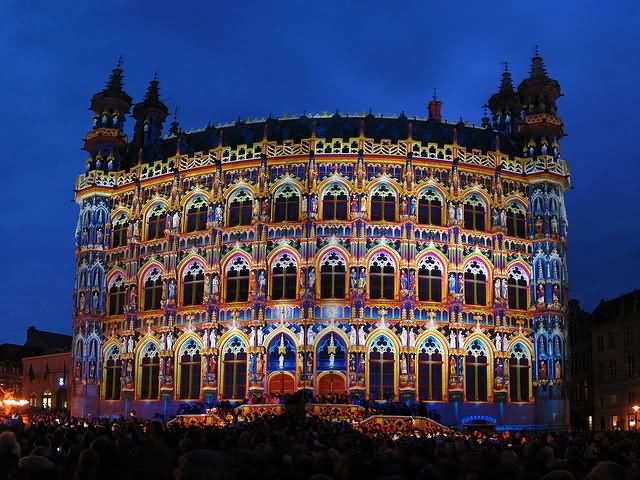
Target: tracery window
x,y
150,370
197,212
234,365
284,278
156,222
193,284
430,280
474,213
429,207
517,289
475,284
116,296
383,204
240,208
333,276
519,371
382,277
476,374
516,220
119,231
334,203
237,278
430,364
152,289
381,369
286,205
190,366
113,372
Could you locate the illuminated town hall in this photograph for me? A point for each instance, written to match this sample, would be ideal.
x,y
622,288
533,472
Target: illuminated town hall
x,y
377,257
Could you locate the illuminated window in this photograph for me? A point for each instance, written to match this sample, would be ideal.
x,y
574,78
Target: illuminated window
x,y
116,296
519,368
429,280
237,277
286,204
190,365
476,374
113,367
46,400
382,277
193,284
152,289
429,207
150,369
381,369
284,278
334,203
474,213
240,208
234,366
383,204
119,232
332,276
197,212
516,220
475,284
430,364
517,289
156,222
33,400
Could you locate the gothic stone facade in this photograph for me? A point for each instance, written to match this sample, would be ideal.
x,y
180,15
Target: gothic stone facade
x,y
390,258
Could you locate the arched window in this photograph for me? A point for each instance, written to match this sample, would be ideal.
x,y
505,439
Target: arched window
x,y
331,354
240,208
334,203
119,231
383,204
474,213
113,366
381,369
150,369
193,284
475,284
234,365
517,289
516,220
519,371
430,364
284,278
286,204
382,277
237,276
152,289
333,276
116,295
429,207
156,222
197,211
476,364
190,365
430,279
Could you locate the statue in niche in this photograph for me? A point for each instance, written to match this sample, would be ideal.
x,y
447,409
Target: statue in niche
x,y
543,370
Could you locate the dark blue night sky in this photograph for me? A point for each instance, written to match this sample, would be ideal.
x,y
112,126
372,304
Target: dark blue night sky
x,y
248,59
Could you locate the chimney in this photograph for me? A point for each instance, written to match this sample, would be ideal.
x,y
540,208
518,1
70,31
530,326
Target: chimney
x,y
435,109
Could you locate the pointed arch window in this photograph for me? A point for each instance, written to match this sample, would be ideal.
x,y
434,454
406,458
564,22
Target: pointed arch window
x,y
284,278
476,372
116,296
517,289
429,207
383,204
430,364
430,280
286,205
237,277
190,367
519,372
382,277
150,370
197,212
152,289
234,365
193,284
113,367
334,203
156,222
240,208
475,284
516,221
333,276
474,213
381,369
119,231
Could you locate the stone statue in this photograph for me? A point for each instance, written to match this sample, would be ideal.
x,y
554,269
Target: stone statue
x,y
503,218
261,282
452,339
497,292
301,336
281,361
172,289
460,339
170,341
260,336
205,338
504,289
452,283
332,360
163,341
312,279
354,278
218,215
353,335
259,365
452,212
215,286
311,335
412,338
130,344
361,337
404,338
212,338
403,364
175,221
498,342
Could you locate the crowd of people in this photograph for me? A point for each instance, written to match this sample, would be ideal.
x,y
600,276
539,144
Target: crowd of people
x,y
299,446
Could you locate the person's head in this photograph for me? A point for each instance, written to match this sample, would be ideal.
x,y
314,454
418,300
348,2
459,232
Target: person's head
x,y
199,464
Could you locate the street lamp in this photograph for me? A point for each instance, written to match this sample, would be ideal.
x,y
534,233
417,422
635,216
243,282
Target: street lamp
x,y
635,416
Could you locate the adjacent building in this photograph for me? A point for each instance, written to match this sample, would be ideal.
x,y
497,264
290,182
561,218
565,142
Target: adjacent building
x,y
386,258
44,380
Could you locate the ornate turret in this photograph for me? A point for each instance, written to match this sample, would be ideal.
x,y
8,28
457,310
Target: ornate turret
x,y
435,108
505,105
149,115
